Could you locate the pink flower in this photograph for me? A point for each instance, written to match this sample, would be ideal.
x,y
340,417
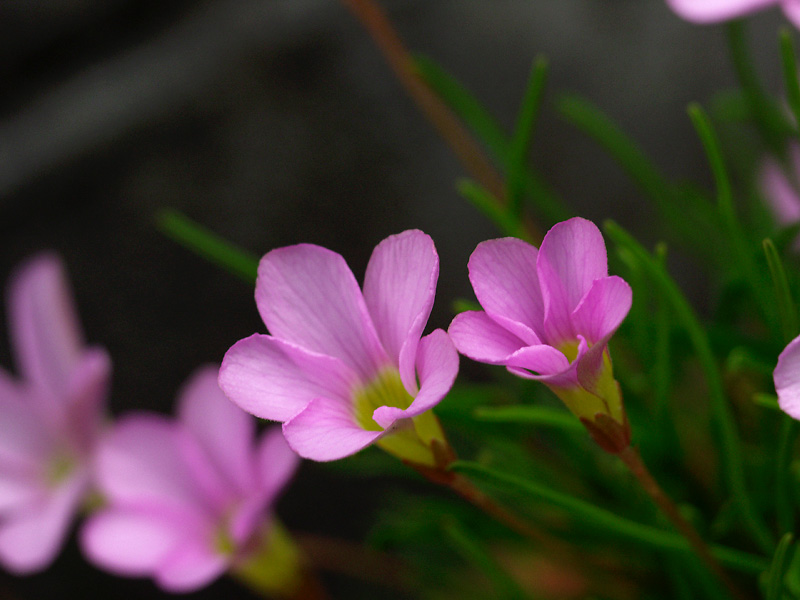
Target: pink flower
x,y
186,498
548,315
49,418
343,369
787,379
780,188
712,11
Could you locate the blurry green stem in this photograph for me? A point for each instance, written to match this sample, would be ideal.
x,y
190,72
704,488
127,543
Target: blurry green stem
x,y
633,460
446,124
767,117
784,502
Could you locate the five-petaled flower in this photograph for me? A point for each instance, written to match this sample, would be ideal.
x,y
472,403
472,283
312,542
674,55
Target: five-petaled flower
x,y
712,11
50,418
344,369
548,315
188,499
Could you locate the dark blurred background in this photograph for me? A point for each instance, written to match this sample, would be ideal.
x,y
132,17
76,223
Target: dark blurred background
x,y
274,122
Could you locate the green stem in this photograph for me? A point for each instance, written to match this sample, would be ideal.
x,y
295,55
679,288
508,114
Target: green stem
x,y
731,445
594,516
784,502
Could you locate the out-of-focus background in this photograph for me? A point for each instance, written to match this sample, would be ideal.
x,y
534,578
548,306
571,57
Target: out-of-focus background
x,y
274,122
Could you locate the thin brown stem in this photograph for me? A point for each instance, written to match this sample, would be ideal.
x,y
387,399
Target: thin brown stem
x,y
435,110
633,460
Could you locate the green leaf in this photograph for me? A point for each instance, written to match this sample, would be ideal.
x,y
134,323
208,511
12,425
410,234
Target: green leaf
x,y
207,244
487,129
481,199
529,415
787,310
730,444
469,549
523,133
777,570
591,515
766,401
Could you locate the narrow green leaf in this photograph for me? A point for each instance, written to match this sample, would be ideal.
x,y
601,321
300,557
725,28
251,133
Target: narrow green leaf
x,y
784,498
591,515
488,130
766,114
543,416
780,562
766,401
790,78
523,133
503,584
730,444
596,124
486,203
787,310
207,244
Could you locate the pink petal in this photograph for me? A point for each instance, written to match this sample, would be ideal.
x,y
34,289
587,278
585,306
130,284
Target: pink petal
x,y
326,430
543,363
31,539
603,309
18,490
711,11
277,462
779,192
787,379
46,336
24,440
224,431
190,567
130,541
791,8
503,274
308,296
399,287
273,379
571,257
479,337
437,365
88,389
141,460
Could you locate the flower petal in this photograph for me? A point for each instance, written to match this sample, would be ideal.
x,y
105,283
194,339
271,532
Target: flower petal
x,y
399,287
787,379
141,460
132,541
503,275
46,336
275,380
31,539
603,309
24,440
88,389
543,363
190,567
779,192
224,431
308,296
791,8
326,430
571,257
711,11
437,365
479,337
277,462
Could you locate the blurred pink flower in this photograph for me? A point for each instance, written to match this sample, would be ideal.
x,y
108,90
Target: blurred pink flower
x,y
787,379
549,314
341,368
186,499
712,11
49,418
780,188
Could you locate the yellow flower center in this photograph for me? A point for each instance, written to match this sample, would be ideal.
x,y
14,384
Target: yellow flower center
x,y
412,439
